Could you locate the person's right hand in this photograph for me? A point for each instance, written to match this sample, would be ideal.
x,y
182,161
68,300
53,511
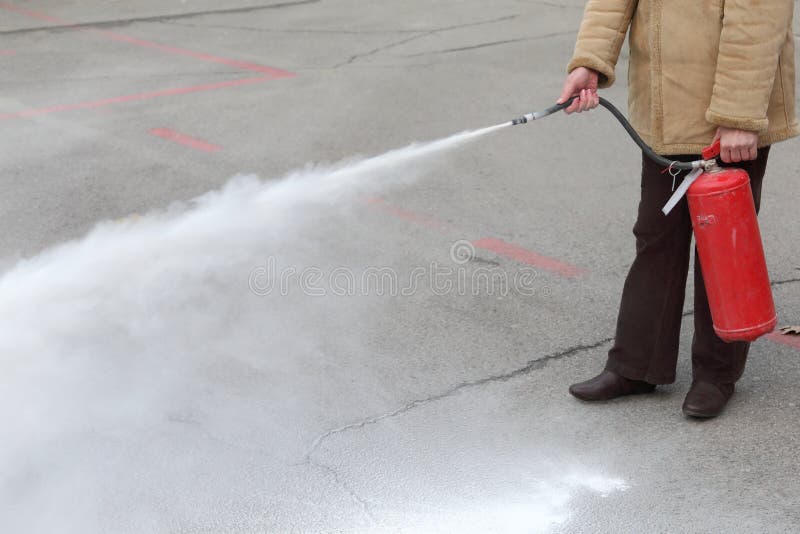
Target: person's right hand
x,y
736,145
581,83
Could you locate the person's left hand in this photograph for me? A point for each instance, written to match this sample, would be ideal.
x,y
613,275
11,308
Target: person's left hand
x,y
736,145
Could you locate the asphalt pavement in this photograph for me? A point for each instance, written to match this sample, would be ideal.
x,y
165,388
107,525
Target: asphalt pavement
x,y
437,409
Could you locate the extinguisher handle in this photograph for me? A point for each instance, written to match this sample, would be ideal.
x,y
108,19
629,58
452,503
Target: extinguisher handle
x,y
712,151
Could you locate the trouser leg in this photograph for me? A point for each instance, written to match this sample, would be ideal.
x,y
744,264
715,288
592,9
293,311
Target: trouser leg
x,y
649,321
714,360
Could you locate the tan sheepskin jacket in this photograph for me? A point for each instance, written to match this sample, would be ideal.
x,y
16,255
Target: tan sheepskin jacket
x,y
696,65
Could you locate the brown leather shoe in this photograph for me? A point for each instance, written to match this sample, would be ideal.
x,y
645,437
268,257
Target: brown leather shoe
x,y
609,385
706,400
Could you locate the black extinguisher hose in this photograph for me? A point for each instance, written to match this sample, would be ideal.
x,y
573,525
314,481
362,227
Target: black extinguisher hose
x,y
649,152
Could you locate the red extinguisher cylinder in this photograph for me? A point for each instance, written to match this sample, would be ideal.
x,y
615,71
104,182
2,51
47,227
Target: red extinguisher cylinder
x,y
732,255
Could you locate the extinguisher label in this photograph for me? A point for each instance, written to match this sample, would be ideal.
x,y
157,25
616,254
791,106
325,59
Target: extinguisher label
x,y
706,220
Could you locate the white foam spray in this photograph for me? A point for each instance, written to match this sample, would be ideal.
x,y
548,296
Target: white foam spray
x,y
105,338
122,351
47,298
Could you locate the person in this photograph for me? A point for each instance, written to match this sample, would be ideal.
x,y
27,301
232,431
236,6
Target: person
x,y
698,71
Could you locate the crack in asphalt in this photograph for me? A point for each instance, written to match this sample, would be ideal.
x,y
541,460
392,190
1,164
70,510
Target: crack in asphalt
x,y
159,18
419,32
532,365
292,31
471,24
356,57
472,47
422,34
782,282
342,483
490,44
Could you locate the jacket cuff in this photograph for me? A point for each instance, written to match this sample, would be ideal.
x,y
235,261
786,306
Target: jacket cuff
x,y
605,70
740,123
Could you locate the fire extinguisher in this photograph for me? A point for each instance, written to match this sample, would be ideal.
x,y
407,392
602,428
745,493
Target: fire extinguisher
x,y
726,231
731,252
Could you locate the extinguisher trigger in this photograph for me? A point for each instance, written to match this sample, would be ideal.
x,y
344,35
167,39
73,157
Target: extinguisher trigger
x,y
712,151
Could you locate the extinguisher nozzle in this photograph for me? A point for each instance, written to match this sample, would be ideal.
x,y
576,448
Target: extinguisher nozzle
x,y
525,119
542,114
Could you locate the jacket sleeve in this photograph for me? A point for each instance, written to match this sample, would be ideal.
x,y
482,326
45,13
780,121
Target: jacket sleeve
x,y
605,24
753,33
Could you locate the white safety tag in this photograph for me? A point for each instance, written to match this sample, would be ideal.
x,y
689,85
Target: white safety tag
x,y
682,189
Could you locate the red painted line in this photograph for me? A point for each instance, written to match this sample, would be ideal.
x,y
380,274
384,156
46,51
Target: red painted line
x,y
528,257
785,339
499,247
174,50
185,140
406,215
131,98
243,65
32,14
7,52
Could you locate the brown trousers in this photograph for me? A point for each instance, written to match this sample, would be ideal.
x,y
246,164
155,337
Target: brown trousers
x,y
649,322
